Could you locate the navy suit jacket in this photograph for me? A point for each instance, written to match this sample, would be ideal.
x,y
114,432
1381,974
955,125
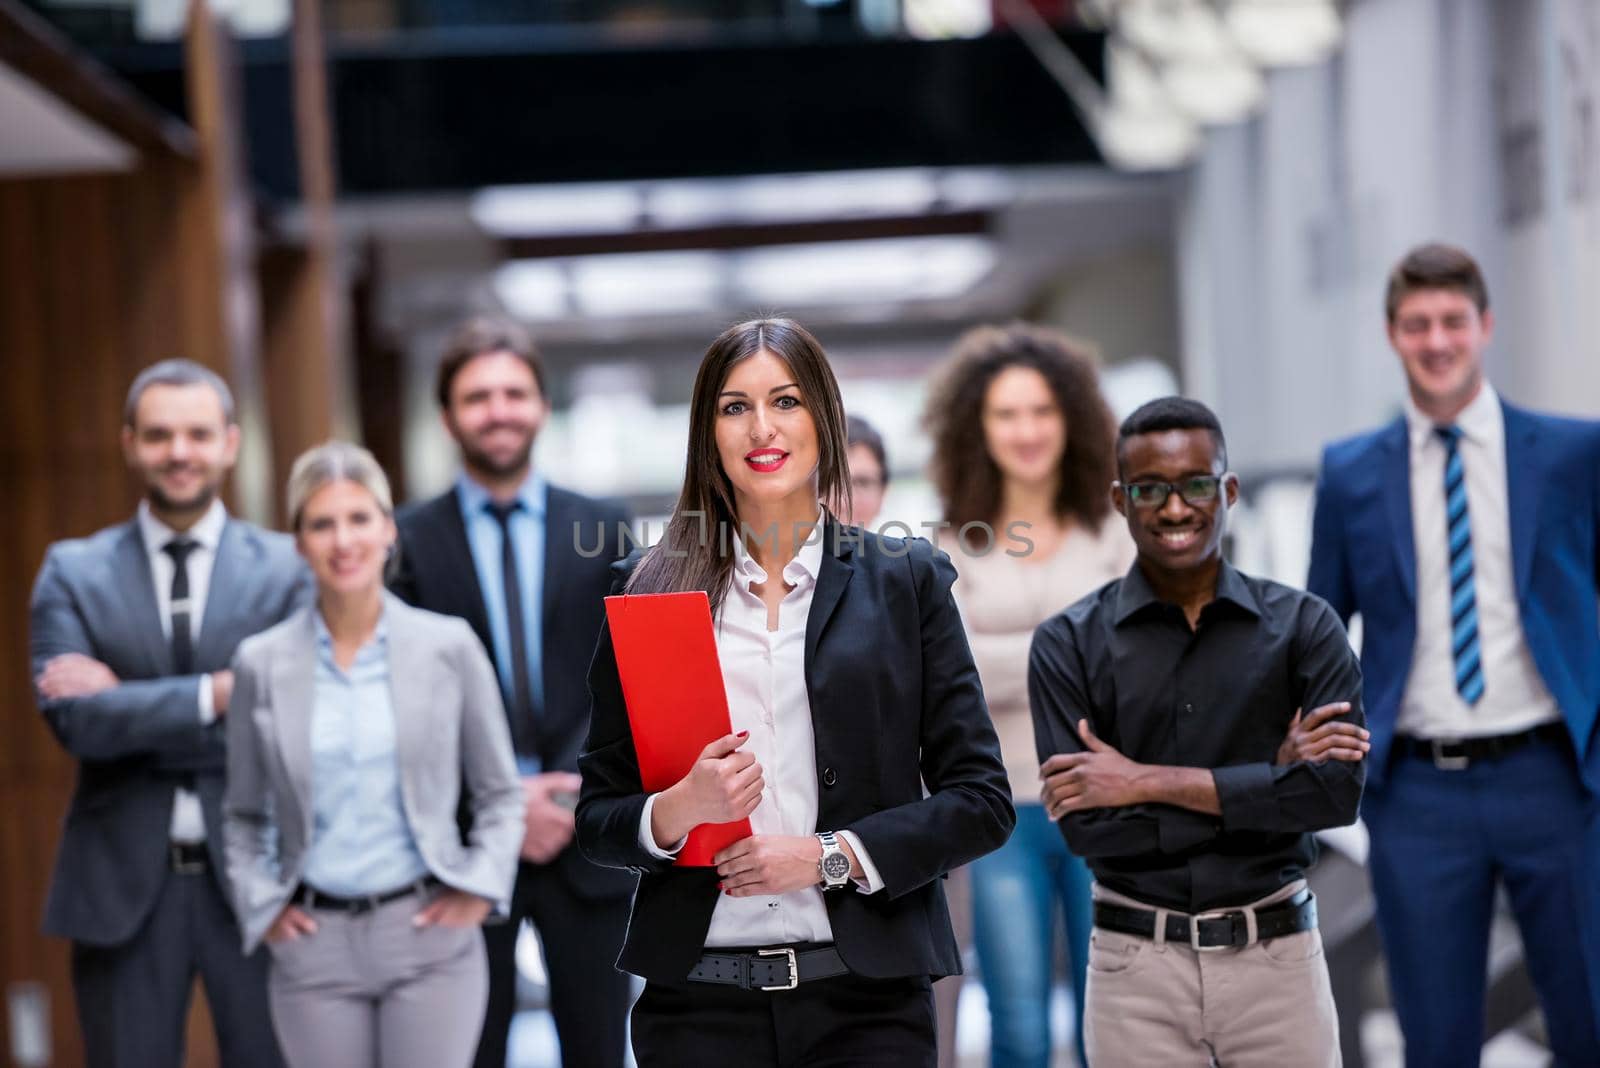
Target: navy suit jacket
x,y
895,703
1363,560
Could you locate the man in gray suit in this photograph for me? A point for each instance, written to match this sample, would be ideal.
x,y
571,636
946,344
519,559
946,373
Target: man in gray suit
x,y
133,629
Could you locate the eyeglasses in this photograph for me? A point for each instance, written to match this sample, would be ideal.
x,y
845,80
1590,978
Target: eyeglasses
x,y
866,484
1196,491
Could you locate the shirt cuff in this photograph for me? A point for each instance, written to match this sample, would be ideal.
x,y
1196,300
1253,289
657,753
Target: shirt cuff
x,y
1244,793
870,882
648,840
208,713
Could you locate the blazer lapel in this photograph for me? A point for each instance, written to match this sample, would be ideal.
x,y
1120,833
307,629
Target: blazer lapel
x,y
834,576
294,691
138,590
229,577
1395,473
1523,486
408,681
558,520
456,555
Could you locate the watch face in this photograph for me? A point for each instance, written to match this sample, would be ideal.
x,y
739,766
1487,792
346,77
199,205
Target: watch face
x,y
836,866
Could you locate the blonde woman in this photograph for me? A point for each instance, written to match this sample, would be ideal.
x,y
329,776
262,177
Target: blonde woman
x,y
357,725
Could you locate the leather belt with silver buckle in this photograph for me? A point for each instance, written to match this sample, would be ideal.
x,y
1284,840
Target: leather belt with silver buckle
x,y
1458,754
188,858
1216,929
307,897
780,968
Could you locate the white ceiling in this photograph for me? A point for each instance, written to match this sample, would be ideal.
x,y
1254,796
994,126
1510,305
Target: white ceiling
x,y
40,135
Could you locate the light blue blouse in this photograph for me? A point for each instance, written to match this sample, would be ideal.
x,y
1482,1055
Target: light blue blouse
x,y
361,841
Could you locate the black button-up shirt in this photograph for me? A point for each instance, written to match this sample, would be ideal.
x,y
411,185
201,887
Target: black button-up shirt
x,y
1218,696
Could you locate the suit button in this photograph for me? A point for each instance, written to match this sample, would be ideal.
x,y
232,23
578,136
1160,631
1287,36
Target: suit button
x,y
828,777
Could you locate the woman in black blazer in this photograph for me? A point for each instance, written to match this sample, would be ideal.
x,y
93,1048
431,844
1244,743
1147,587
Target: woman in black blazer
x,y
851,688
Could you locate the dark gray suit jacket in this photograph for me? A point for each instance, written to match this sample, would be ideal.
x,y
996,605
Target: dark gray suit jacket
x,y
136,741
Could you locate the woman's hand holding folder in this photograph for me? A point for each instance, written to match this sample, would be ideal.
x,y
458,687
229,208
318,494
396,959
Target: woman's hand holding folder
x,y
725,784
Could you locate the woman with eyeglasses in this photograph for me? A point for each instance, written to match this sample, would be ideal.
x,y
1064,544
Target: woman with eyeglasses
x,y
850,687
1023,460
869,472
359,726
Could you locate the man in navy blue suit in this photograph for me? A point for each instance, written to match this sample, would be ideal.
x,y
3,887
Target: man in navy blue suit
x,y
1466,534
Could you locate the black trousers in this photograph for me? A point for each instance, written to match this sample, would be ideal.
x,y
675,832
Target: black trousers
x,y
133,999
827,1023
581,938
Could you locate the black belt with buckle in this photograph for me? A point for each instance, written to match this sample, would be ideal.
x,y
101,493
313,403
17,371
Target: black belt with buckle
x,y
1217,929
310,898
188,858
1457,754
780,968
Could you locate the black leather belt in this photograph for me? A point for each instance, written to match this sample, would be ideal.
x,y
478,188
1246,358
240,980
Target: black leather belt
x,y
781,968
188,858
307,897
1457,754
1218,929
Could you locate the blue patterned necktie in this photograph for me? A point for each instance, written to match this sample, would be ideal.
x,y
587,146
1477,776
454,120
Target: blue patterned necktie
x,y
1465,653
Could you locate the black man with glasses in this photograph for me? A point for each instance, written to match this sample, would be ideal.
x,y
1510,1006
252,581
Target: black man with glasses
x,y
1167,710
1466,535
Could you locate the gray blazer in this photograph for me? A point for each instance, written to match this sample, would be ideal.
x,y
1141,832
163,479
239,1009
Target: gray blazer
x,y
137,741
450,731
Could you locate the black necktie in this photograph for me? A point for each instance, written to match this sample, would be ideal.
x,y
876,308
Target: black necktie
x,y
182,638
521,703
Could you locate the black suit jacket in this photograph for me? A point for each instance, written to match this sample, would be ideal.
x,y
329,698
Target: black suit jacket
x,y
895,703
436,572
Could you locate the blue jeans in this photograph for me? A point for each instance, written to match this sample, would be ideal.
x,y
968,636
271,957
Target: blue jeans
x,y
1014,895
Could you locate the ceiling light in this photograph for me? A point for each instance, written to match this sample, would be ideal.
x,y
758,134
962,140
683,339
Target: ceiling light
x,y
575,208
863,272
1284,33
1214,92
533,289
646,283
794,197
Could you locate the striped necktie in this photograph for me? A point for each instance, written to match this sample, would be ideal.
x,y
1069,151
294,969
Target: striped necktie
x,y
1464,650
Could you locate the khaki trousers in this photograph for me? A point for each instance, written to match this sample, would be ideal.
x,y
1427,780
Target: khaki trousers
x,y
1163,1005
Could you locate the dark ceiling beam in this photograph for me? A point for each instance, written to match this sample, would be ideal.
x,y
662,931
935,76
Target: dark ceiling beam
x,y
756,235
41,53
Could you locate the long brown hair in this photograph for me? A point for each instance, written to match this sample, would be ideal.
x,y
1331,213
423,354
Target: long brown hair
x,y
696,550
963,472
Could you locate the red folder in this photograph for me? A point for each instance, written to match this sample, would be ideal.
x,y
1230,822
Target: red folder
x,y
672,683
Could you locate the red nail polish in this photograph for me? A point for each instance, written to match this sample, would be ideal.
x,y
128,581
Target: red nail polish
x,y
743,734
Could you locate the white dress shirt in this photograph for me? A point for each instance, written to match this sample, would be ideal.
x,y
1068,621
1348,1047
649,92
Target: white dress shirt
x,y
1514,696
188,823
764,675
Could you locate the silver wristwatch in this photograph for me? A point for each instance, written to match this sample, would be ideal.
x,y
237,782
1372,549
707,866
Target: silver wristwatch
x,y
835,864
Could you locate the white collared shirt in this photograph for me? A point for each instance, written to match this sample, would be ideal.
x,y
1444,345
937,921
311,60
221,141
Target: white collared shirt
x,y
188,823
1514,696
765,678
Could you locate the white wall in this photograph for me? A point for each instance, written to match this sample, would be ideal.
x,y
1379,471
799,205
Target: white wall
x,y
1419,129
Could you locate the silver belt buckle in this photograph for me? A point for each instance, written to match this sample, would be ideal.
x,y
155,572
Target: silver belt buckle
x,y
1444,762
181,866
794,968
1194,929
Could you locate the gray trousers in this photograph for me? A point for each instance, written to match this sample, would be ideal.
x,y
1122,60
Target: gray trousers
x,y
370,989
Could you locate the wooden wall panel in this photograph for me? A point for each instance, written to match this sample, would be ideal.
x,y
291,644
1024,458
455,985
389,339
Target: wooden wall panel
x,y
103,275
